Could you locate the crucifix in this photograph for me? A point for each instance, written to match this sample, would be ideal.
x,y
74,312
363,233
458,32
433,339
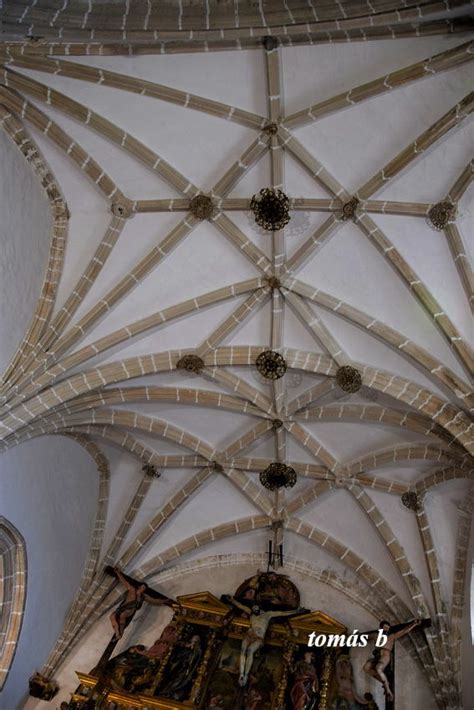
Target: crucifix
x,y
275,547
137,592
381,665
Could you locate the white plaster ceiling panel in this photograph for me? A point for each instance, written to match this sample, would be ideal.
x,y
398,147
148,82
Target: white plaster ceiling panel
x,y
239,81
25,231
332,69
442,505
133,177
465,219
250,183
430,252
400,471
357,281
210,503
430,178
329,516
404,525
384,127
366,347
161,126
352,440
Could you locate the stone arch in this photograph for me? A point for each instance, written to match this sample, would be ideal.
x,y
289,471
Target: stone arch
x,y
12,593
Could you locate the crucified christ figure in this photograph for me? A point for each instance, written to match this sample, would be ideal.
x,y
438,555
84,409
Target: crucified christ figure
x,y
376,665
255,636
137,593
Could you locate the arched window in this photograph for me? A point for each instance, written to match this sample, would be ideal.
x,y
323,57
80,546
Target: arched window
x,y
12,593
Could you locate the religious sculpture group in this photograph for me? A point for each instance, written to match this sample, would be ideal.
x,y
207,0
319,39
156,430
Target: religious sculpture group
x,y
248,651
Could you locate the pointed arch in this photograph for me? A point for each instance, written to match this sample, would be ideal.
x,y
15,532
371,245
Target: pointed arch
x,y
12,593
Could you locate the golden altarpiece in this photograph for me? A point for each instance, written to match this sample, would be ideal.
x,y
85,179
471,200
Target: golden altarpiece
x,y
195,662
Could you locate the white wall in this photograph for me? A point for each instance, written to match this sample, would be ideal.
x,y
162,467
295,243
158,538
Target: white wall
x,y
48,490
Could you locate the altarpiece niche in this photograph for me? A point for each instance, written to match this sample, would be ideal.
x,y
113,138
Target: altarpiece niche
x,y
248,651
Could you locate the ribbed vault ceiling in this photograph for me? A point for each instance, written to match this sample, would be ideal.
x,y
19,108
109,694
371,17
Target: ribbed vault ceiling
x,y
135,281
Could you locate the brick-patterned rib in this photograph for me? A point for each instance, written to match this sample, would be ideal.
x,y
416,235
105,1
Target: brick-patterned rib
x,y
205,537
14,570
460,577
440,638
316,327
109,130
365,572
240,387
141,422
247,38
251,304
400,454
309,396
394,549
448,473
107,594
425,68
44,354
433,367
424,297
38,380
370,413
104,77
310,443
62,140
212,29
445,414
461,261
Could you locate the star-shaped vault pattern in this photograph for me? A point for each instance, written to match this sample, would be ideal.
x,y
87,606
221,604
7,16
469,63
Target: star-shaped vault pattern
x,y
68,379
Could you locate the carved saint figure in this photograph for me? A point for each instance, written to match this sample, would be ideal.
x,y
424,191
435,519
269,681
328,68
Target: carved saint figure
x,y
255,636
376,665
347,696
304,691
137,593
181,669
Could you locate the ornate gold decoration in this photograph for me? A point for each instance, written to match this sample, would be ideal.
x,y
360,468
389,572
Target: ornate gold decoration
x,y
271,129
349,379
441,214
202,670
277,424
150,470
278,475
290,649
411,500
325,676
271,365
190,363
121,209
201,207
349,209
271,209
